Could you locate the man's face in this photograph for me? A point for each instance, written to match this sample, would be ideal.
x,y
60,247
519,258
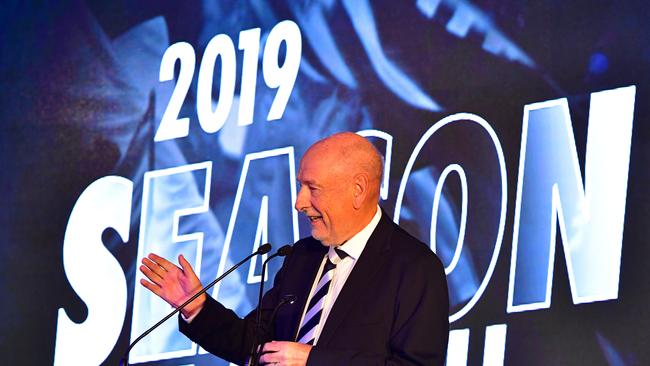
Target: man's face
x,y
325,198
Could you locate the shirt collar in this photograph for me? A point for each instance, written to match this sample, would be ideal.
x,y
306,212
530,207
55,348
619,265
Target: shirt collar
x,y
355,245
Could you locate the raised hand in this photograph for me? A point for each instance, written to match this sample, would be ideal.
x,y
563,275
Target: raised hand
x,y
172,283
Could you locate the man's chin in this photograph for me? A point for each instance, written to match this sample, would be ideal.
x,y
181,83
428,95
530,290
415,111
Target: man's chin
x,y
322,239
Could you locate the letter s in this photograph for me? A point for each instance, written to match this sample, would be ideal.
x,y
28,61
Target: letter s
x,y
95,275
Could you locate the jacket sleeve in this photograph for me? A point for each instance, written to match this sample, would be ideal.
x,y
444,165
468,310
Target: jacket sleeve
x,y
220,331
223,333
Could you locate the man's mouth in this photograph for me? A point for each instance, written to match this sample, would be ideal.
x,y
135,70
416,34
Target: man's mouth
x,y
314,218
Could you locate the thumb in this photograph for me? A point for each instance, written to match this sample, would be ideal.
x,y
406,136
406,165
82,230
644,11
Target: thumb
x,y
185,265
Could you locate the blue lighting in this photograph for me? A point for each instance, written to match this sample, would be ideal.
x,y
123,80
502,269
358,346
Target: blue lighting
x,y
598,63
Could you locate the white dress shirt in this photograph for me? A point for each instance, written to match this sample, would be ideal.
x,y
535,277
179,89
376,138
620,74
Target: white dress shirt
x,y
353,248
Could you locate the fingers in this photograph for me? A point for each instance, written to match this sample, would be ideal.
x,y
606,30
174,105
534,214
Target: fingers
x,y
169,282
157,270
268,359
151,275
268,354
272,346
272,353
159,266
162,262
154,268
151,287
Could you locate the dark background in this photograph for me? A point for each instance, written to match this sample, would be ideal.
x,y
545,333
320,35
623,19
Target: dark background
x,y
72,111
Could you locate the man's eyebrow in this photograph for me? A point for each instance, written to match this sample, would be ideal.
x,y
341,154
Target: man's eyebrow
x,y
308,182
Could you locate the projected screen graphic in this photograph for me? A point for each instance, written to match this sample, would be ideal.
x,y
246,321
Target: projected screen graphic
x,y
515,140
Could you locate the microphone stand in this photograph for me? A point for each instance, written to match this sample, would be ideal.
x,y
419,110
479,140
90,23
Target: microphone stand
x,y
263,249
290,299
283,251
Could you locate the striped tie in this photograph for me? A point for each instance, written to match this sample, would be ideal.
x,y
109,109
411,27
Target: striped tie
x,y
307,332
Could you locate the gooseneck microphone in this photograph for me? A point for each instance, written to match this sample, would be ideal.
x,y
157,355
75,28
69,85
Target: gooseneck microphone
x,y
282,252
263,249
286,299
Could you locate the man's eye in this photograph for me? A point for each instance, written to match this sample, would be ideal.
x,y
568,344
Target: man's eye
x,y
310,187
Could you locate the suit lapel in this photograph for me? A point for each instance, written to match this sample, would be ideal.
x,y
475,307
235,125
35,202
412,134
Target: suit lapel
x,y
372,259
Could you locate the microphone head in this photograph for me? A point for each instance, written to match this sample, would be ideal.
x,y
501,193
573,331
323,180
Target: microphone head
x,y
265,248
285,250
289,298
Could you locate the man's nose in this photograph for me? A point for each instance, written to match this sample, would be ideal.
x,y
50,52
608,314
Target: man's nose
x,y
301,200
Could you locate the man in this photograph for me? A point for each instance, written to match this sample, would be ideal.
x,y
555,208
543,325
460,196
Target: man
x,y
367,292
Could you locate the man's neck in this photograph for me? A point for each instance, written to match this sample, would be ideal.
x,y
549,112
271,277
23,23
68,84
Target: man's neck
x,y
366,218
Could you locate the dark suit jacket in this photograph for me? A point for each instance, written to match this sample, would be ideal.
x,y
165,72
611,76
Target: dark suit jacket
x,y
393,308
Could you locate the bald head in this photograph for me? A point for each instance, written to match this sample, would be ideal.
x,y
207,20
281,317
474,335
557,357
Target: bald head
x,y
340,177
349,154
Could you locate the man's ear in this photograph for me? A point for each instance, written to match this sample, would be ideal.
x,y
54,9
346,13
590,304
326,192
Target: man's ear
x,y
360,190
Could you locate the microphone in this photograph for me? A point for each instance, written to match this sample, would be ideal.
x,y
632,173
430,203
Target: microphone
x,y
282,252
263,249
286,299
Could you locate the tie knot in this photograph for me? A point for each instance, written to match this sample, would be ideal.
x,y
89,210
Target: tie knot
x,y
340,253
338,256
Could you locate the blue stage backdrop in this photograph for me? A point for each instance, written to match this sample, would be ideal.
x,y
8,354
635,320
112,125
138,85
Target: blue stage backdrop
x,y
515,136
